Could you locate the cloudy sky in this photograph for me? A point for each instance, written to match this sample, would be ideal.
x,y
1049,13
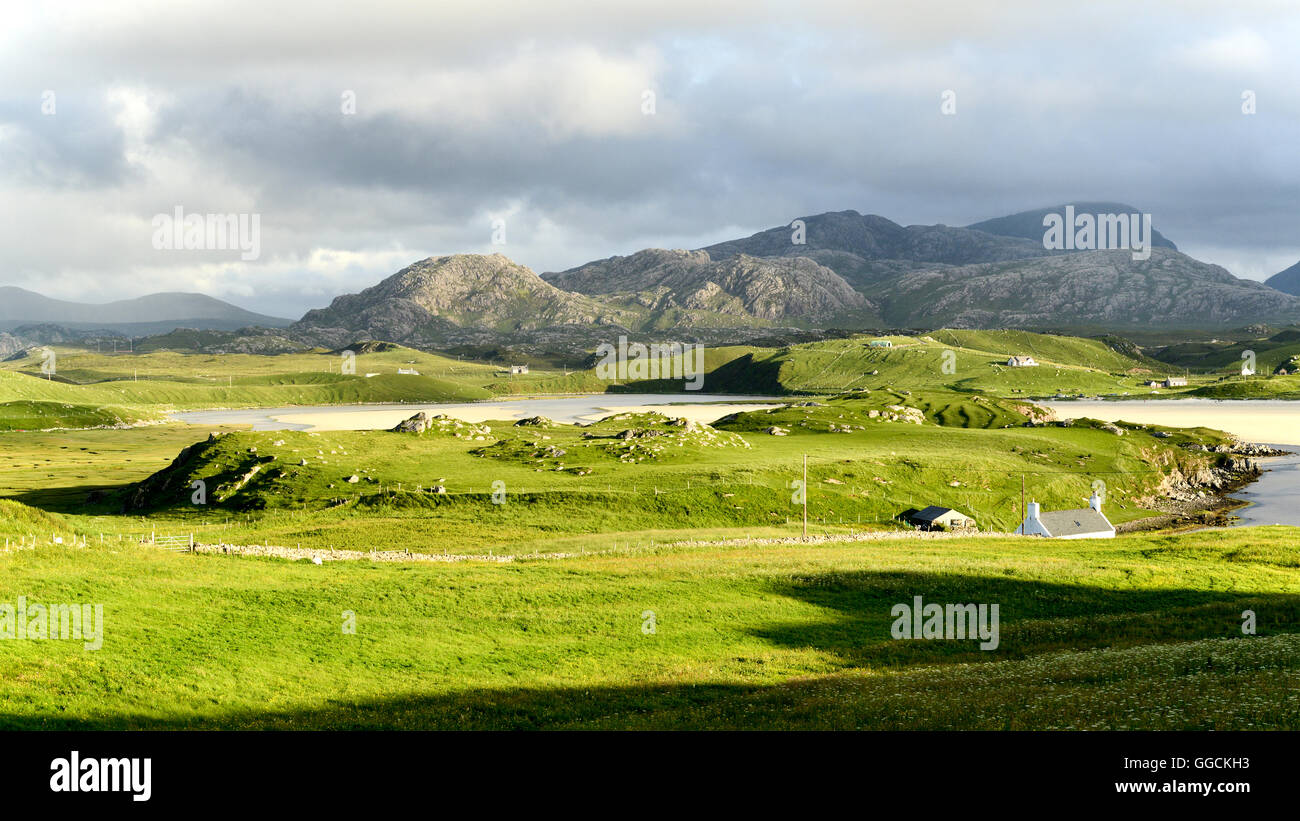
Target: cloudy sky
x,y
537,114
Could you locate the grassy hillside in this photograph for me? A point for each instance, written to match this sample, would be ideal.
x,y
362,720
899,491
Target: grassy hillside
x,y
29,415
20,523
173,380
635,474
967,361
1255,387
1225,356
1132,633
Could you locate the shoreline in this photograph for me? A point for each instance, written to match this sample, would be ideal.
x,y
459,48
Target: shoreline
x,y
1276,421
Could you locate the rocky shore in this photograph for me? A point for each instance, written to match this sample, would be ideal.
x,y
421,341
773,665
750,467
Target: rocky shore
x,y
1202,498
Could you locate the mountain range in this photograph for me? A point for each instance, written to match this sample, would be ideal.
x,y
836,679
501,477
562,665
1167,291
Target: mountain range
x,y
1287,281
154,313
837,270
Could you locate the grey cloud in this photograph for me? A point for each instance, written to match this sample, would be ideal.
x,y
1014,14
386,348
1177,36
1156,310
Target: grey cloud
x,y
764,114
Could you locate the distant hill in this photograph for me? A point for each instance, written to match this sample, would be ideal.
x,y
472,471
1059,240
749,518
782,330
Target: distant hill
x,y
1279,350
452,299
154,313
829,274
872,237
1287,281
1085,289
1029,224
689,289
997,274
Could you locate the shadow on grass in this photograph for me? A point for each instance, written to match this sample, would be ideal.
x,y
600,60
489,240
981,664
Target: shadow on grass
x,y
90,500
1034,616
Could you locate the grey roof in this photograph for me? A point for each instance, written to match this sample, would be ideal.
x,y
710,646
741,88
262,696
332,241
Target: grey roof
x,y
1074,522
933,512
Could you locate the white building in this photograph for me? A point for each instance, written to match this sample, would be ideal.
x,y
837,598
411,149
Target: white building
x,y
1087,523
1021,362
514,369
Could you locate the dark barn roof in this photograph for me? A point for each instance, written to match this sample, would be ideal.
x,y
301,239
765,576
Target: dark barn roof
x,y
933,512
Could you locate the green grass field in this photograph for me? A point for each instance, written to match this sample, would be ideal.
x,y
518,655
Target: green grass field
x,y
1140,632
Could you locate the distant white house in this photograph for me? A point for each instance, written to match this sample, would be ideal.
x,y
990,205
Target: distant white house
x,y
880,343
1176,382
1087,523
408,371
1247,370
1021,362
514,369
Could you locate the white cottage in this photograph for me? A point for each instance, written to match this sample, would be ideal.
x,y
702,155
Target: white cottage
x,y
1087,523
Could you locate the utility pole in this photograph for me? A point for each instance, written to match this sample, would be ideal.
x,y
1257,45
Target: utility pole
x,y
1022,500
805,497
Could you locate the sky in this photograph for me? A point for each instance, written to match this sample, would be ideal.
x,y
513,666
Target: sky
x,y
366,136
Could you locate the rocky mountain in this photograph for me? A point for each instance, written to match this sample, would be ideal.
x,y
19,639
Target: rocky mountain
x,y
839,270
1287,281
1084,290
458,298
690,288
1029,224
991,274
10,345
850,238
154,313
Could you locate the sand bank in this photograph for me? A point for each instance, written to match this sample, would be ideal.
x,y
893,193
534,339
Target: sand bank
x,y
1271,421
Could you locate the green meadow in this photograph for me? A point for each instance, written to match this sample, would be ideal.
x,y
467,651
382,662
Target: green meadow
x,y
1139,632
605,576
509,489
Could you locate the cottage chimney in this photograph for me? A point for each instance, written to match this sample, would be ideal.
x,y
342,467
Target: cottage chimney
x,y
1095,502
1031,515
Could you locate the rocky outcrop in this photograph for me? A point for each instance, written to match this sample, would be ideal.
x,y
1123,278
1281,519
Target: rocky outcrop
x,y
1227,468
692,287
428,301
438,423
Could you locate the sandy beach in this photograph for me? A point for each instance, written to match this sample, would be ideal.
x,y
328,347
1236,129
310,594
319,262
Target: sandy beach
x,y
1274,422
576,410
342,419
